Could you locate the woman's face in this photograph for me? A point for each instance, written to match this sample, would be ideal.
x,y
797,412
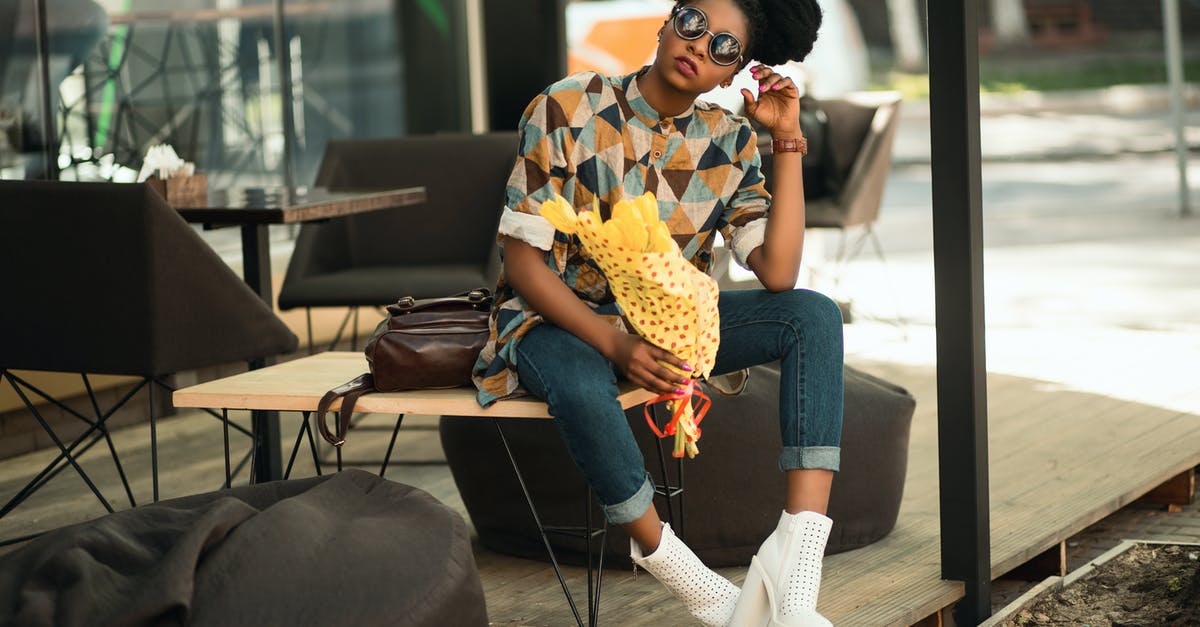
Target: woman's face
x,y
686,64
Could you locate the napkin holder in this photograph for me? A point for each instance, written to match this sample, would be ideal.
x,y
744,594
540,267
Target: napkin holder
x,y
182,191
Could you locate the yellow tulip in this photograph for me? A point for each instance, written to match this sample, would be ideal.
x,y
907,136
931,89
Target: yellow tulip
x,y
625,212
612,232
635,234
647,206
560,214
660,240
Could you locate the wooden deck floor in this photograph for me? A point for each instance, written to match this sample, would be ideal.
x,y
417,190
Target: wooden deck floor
x,y
1060,460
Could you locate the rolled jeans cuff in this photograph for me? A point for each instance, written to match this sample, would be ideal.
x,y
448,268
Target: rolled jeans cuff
x,y
633,507
810,458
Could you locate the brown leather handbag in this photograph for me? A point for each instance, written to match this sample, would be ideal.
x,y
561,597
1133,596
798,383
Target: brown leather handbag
x,y
422,344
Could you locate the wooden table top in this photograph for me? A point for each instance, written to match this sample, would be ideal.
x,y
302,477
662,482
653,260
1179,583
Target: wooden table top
x,y
270,206
299,385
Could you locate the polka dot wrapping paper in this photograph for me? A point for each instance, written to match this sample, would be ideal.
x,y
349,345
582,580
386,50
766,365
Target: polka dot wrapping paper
x,y
666,299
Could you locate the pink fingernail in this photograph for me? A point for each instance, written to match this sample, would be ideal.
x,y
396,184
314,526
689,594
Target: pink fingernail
x,y
687,367
761,87
679,390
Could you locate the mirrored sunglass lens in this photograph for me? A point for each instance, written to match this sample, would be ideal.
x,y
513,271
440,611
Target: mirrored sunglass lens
x,y
690,23
725,48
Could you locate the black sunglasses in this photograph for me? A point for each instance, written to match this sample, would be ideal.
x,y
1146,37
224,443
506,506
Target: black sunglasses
x,y
691,23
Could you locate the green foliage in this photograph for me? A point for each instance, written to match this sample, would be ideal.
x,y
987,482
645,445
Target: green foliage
x,y
1002,79
1093,75
910,86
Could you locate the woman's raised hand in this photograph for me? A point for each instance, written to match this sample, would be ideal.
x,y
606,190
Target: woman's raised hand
x,y
639,360
778,104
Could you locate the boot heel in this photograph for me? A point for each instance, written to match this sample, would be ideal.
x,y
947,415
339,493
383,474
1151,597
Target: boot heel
x,y
754,605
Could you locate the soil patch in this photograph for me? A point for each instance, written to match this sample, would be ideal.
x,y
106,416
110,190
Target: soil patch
x,y
1150,584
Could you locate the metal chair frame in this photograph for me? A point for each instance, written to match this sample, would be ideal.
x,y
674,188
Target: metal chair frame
x,y
97,430
847,252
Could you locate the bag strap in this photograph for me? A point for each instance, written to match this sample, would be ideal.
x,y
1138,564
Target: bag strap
x,y
476,297
349,393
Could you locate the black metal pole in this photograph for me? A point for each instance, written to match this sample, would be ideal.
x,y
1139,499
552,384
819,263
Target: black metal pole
x,y
283,56
50,139
958,280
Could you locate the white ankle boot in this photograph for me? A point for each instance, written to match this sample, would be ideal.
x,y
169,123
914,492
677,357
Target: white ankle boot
x,y
785,576
707,595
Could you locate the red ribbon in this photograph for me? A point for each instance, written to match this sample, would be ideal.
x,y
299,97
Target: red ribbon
x,y
684,397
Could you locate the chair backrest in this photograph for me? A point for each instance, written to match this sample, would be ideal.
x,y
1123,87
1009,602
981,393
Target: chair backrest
x,y
862,194
464,177
862,129
106,278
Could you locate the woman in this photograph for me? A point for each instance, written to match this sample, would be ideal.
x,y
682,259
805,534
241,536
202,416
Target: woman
x,y
557,331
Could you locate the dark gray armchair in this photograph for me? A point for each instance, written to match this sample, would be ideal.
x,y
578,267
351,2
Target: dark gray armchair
x,y
106,278
440,248
861,133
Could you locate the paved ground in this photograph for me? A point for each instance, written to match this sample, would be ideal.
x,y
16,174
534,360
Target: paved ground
x,y
1135,522
1036,126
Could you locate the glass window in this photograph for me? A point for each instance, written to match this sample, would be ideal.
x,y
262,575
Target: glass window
x,y
205,77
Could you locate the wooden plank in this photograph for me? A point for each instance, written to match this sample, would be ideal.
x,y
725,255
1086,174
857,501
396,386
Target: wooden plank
x,y
1175,492
1050,508
933,620
1034,594
1061,459
299,385
1070,416
1049,563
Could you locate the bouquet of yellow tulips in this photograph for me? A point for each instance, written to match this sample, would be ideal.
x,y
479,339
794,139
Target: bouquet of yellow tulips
x,y
669,302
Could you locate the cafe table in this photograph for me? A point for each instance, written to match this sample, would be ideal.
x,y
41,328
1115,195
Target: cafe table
x,y
254,210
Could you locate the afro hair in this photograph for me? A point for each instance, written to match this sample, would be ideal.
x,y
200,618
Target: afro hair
x,y
780,30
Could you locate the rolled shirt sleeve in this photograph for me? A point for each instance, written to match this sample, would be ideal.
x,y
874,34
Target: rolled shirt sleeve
x,y
539,172
533,230
743,222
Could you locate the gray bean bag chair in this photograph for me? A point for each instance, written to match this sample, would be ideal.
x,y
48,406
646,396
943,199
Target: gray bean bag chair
x,y
733,489
343,549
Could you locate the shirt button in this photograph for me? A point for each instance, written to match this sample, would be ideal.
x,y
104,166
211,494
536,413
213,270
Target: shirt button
x,y
665,125
657,154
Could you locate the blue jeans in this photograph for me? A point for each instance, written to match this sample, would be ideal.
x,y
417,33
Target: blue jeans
x,y
800,328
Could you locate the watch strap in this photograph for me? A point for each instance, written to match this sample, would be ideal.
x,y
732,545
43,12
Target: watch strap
x,y
799,145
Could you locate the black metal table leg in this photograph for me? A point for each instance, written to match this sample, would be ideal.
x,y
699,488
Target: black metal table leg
x,y
538,521
256,270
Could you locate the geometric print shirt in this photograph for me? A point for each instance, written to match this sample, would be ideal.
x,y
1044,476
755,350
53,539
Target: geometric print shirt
x,y
589,137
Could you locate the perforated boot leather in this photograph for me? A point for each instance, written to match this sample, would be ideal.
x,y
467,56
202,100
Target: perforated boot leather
x,y
708,596
784,580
